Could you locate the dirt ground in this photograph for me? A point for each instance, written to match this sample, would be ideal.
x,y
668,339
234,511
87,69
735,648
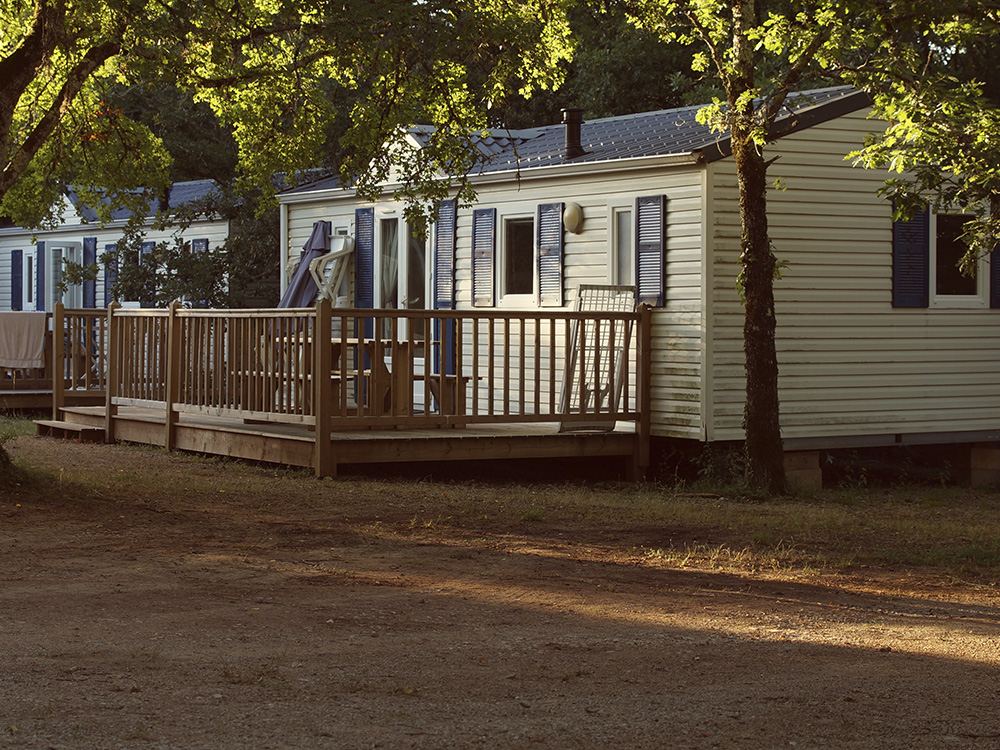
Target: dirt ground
x,y
230,606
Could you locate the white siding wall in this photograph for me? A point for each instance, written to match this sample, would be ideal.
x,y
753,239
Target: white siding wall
x,y
677,331
849,364
22,239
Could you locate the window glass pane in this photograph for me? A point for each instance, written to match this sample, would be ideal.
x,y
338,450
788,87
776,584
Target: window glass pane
x,y
519,256
29,279
416,291
623,247
57,274
389,262
950,249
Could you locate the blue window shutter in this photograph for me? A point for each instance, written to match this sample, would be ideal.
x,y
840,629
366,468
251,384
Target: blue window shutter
x,y
110,273
550,254
89,259
444,286
484,222
364,258
40,276
444,256
651,249
911,262
16,279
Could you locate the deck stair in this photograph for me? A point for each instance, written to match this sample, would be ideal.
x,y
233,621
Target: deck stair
x,y
82,433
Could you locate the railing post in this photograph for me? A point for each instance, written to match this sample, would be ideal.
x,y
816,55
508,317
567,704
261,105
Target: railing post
x,y
111,381
173,374
324,463
640,461
58,360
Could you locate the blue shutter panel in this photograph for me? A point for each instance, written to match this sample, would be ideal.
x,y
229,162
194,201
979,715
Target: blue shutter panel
x,y
40,276
444,256
911,262
16,279
651,246
110,272
89,259
483,245
364,257
550,255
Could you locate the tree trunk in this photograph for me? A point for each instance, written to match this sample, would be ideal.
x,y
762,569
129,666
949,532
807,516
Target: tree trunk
x,y
764,453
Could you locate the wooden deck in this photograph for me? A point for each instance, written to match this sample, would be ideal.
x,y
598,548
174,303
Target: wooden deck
x,y
257,384
293,444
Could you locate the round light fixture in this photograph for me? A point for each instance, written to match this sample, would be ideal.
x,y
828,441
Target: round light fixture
x,y
573,217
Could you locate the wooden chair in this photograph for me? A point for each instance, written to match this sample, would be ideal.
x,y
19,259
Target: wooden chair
x,y
596,361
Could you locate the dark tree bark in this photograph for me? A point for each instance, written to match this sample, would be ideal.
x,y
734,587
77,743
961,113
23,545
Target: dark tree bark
x,y
764,452
765,460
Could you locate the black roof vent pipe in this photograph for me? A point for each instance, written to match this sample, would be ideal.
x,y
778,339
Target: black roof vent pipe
x,y
573,119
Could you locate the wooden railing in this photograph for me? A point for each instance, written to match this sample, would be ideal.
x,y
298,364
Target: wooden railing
x,y
352,369
76,349
381,368
80,344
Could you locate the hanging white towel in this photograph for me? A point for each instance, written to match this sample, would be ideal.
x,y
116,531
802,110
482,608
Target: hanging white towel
x,y
22,339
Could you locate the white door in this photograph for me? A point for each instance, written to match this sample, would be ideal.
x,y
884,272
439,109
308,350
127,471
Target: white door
x,y
401,284
401,274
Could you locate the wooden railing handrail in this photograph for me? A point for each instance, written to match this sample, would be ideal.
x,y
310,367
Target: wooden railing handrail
x,y
463,367
390,314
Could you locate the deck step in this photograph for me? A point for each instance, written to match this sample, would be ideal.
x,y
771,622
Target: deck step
x,y
86,416
70,431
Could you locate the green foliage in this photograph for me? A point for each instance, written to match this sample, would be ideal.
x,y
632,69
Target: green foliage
x,y
200,148
56,129
275,74
931,70
616,69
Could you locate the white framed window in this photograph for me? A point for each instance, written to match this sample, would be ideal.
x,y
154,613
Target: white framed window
x,y
60,257
29,284
516,275
621,244
949,285
400,270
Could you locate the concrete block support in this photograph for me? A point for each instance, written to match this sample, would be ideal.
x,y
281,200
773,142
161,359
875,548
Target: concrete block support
x,y
984,465
802,470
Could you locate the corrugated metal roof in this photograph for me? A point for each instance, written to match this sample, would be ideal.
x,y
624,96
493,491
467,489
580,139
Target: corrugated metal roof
x,y
181,194
666,132
662,133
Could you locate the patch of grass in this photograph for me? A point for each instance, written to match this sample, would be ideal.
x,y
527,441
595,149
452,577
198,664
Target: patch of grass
x,y
949,530
11,474
534,515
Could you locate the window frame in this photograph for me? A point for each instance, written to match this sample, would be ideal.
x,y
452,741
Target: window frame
x,y
527,300
979,300
615,209
29,279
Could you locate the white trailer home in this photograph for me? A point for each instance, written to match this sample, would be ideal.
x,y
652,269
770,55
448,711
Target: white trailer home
x,y
879,341
31,261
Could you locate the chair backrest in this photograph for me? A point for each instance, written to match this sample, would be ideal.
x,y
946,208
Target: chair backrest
x,y
595,366
605,297
328,270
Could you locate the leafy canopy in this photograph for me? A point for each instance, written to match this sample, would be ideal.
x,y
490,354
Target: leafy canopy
x,y
266,68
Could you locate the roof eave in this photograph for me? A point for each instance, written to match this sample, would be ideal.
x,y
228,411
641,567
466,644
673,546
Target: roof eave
x,y
795,121
526,173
